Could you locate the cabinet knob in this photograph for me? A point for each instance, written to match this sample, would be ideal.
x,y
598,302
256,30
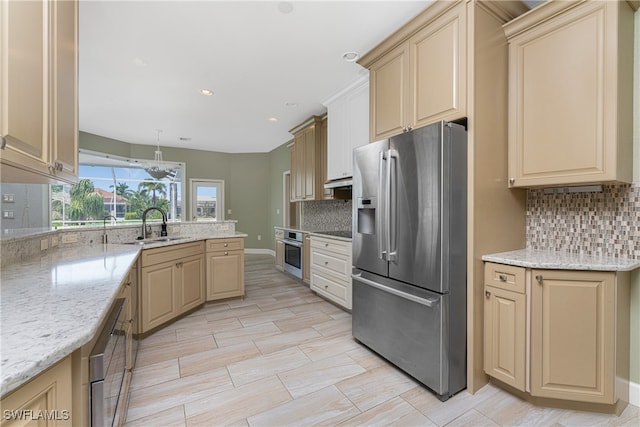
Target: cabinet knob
x,y
539,278
512,181
226,244
502,277
226,253
326,245
487,294
326,286
3,142
326,263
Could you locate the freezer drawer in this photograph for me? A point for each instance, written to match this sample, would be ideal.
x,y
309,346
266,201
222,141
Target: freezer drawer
x,y
407,326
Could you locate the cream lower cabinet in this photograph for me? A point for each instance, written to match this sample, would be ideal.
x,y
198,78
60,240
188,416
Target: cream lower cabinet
x,y
331,269
44,401
225,268
577,332
570,103
279,234
172,282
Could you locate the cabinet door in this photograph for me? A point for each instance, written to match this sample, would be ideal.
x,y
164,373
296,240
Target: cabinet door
x,y
563,96
389,94
158,294
309,161
225,273
337,138
573,335
24,84
306,262
297,168
280,254
48,393
191,292
438,69
504,336
64,144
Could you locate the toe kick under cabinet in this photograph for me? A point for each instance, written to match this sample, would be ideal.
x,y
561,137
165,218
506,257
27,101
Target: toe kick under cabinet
x,y
558,334
331,269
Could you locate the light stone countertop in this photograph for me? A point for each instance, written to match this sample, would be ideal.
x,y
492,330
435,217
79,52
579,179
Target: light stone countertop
x,y
54,304
557,260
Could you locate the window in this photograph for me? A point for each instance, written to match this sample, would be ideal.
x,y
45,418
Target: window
x,y
207,199
117,187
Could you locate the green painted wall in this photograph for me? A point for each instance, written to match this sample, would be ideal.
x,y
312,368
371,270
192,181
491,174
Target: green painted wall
x,y
246,179
279,162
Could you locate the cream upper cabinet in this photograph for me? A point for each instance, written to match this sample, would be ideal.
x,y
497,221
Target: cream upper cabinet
x,y
348,128
570,97
38,91
422,80
309,160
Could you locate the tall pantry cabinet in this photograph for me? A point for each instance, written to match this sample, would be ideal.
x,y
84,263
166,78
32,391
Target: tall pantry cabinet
x,y
450,63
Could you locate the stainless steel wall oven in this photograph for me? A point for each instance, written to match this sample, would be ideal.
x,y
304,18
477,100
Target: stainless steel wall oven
x,y
293,252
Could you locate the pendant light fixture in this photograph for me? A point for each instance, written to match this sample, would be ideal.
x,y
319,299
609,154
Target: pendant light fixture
x,y
158,169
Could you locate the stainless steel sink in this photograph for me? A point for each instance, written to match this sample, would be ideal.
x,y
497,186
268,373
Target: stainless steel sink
x,y
143,242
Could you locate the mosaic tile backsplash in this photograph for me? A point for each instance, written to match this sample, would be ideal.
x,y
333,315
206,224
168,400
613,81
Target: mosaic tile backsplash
x,y
326,215
603,223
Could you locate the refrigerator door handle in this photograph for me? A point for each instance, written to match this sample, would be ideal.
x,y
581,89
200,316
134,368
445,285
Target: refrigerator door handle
x,y
392,194
428,302
380,231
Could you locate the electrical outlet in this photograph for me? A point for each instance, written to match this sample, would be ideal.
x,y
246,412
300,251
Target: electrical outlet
x,y
229,211
8,198
277,211
8,214
44,244
259,236
69,238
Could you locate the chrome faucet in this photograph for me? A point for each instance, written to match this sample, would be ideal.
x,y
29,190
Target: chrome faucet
x,y
144,222
104,227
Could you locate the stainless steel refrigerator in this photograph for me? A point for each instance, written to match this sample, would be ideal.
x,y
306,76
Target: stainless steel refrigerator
x,y
409,253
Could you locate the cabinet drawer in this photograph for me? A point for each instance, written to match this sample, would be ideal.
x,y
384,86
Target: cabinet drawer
x,y
329,261
333,289
216,245
505,277
332,245
280,234
171,253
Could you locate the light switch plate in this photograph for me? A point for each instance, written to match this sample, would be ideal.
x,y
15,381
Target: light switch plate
x,y
8,198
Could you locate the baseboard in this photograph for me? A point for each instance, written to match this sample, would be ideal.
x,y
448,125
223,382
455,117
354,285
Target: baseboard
x,y
260,251
634,393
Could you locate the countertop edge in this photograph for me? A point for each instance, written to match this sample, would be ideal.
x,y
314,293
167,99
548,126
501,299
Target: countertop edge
x,y
558,260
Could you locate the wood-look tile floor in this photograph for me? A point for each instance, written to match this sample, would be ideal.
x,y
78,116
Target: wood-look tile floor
x,y
284,356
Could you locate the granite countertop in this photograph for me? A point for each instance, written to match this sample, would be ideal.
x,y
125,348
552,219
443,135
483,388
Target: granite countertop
x,y
332,234
159,242
557,260
54,304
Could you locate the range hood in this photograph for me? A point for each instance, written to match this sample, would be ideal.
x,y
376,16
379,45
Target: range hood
x,y
339,183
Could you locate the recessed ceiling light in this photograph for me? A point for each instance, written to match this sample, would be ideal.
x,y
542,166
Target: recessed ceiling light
x,y
272,119
285,7
206,92
350,56
290,104
139,62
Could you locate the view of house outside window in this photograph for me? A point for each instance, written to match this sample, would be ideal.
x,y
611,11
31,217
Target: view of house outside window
x,y
120,190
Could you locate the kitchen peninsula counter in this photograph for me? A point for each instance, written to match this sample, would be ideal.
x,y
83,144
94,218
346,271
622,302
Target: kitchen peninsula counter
x,y
53,304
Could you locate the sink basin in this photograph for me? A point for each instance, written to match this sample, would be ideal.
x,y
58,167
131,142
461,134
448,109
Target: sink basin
x,y
143,242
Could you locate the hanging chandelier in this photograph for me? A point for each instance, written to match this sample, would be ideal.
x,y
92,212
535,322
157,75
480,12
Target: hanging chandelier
x,y
158,169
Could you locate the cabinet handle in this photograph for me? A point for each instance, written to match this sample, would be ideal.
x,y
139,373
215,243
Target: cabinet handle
x,y
512,181
539,278
503,277
3,142
487,294
179,264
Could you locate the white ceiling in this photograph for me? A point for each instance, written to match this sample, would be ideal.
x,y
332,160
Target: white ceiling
x,y
142,64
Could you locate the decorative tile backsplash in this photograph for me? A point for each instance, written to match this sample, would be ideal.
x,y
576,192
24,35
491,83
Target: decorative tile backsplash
x,y
326,215
596,223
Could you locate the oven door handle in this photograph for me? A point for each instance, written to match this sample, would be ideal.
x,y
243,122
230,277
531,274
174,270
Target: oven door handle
x,y
292,243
